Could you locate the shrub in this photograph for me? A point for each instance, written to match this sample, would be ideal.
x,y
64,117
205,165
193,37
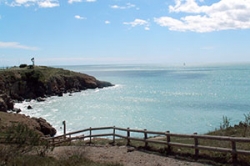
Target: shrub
x,y
21,140
246,123
23,65
31,67
226,123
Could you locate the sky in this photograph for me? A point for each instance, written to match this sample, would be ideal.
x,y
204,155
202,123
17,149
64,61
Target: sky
x,y
82,32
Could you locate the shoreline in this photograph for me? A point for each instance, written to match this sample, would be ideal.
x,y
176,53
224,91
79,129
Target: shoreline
x,y
33,112
168,107
25,83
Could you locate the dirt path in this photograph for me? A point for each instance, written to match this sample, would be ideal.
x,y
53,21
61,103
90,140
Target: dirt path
x,y
120,154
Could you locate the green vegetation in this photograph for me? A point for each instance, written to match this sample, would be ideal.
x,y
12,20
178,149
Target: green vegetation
x,y
37,71
20,140
75,159
240,130
225,124
32,82
23,146
23,65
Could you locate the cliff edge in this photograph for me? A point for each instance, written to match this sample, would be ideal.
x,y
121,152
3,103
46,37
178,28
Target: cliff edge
x,y
39,82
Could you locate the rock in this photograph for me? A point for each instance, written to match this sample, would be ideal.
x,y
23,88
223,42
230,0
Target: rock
x,y
28,100
6,103
41,81
29,107
45,127
60,94
3,106
40,99
45,81
17,110
10,104
102,84
39,125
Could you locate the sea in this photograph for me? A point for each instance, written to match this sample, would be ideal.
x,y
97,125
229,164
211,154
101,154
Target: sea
x,y
177,98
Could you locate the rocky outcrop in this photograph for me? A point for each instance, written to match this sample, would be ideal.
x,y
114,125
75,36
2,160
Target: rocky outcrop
x,y
37,83
6,103
61,84
45,127
20,84
40,125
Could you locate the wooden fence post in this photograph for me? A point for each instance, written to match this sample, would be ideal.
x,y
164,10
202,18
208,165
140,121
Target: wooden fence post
x,y
145,138
234,153
196,150
128,136
64,129
70,139
114,135
90,132
168,142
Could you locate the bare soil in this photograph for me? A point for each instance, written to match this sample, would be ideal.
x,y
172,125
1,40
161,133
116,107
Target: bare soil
x,y
127,156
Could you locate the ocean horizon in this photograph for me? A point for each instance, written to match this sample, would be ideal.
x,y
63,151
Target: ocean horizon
x,y
176,98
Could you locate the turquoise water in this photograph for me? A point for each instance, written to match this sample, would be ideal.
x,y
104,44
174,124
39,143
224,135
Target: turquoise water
x,y
180,99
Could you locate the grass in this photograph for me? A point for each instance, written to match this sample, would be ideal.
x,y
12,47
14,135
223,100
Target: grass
x,y
39,73
30,160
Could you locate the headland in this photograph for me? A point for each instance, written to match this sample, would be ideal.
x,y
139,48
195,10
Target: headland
x,y
38,82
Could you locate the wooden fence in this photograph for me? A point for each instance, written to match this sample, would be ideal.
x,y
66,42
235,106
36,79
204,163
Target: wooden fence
x,y
150,137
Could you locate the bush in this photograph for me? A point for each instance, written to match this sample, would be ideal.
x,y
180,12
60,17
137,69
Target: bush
x,y
226,123
246,124
20,140
23,65
31,67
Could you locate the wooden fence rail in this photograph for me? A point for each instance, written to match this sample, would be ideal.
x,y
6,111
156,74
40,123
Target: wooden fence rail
x,y
167,141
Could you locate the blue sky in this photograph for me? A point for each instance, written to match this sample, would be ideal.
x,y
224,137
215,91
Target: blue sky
x,y
79,32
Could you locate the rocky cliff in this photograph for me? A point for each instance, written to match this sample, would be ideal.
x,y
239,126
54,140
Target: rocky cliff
x,y
40,125
25,83
39,82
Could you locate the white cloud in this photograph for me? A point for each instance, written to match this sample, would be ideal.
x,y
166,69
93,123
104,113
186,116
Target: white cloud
x,y
223,15
79,17
107,22
138,22
16,45
25,3
40,3
72,1
127,6
48,3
